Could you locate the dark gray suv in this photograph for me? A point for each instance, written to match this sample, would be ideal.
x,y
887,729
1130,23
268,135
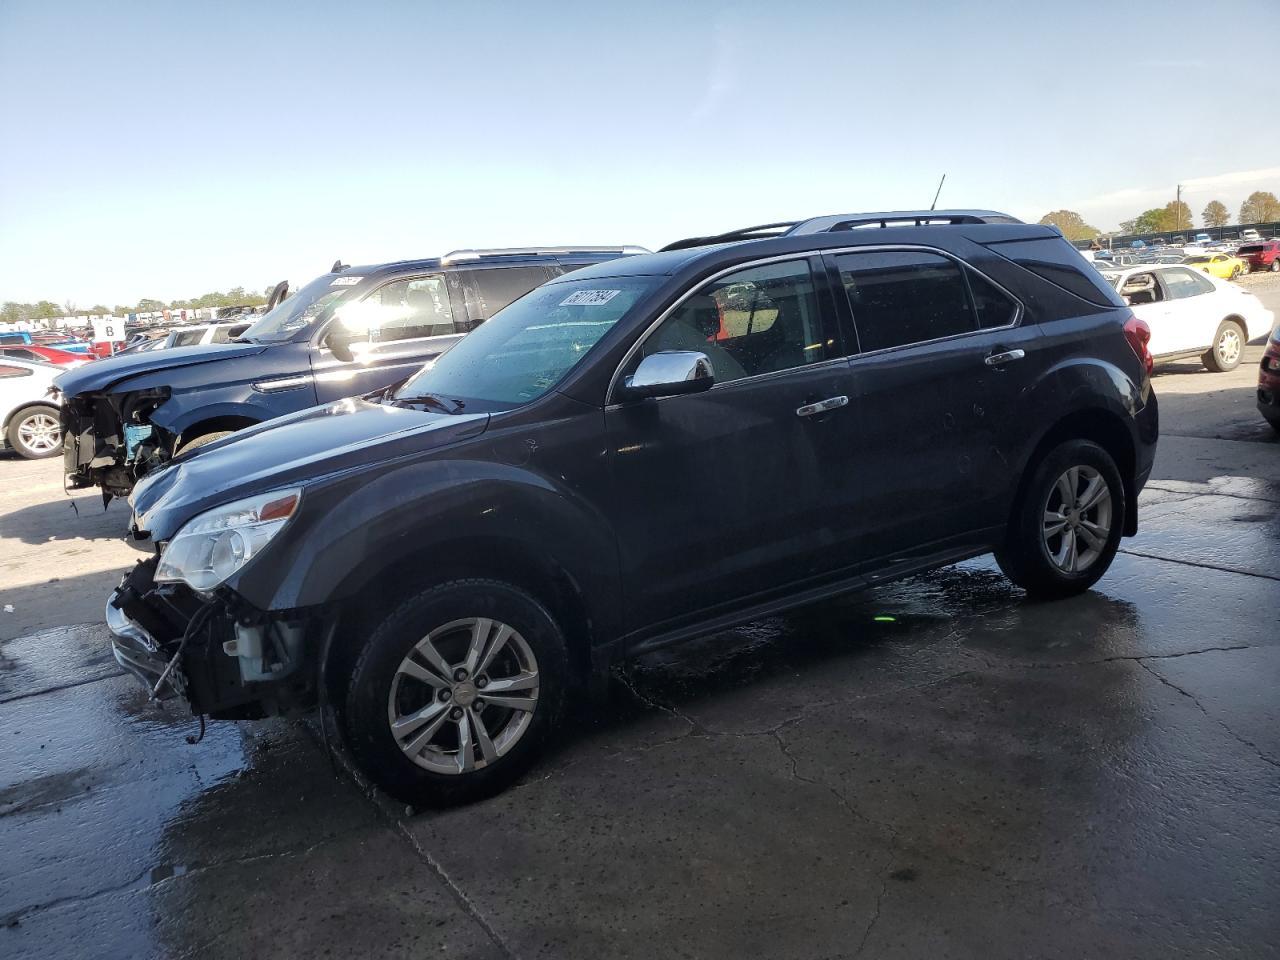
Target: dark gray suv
x,y
641,451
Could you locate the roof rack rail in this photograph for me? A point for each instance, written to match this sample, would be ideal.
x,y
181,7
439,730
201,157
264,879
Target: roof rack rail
x,y
848,221
761,232
898,218
541,251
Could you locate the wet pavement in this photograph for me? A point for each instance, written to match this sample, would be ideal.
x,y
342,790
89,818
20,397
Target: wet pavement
x,y
933,768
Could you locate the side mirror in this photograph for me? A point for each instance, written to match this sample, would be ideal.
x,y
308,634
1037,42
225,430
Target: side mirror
x,y
669,374
339,340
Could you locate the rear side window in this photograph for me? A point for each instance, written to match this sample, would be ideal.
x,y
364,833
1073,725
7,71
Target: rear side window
x,y
900,297
1055,260
491,290
1251,248
1182,283
188,338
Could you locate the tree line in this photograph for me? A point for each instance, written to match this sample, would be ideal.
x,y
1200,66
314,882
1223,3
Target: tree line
x,y
12,311
1260,207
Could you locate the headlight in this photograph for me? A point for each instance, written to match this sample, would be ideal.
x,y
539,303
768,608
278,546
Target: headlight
x,y
211,547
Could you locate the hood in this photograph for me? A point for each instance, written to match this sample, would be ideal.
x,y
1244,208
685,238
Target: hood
x,y
293,450
108,371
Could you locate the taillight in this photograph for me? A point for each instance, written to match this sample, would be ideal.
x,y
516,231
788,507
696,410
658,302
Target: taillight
x,y
1138,334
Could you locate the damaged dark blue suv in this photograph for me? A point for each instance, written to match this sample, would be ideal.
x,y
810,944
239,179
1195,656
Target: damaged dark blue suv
x,y
347,332
645,450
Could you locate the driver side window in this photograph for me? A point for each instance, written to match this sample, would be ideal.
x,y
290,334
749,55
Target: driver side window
x,y
403,310
759,320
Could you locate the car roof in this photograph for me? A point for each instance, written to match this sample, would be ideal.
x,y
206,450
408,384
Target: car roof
x,y
713,255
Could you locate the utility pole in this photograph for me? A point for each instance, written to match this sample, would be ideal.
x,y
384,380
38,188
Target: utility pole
x,y
1177,210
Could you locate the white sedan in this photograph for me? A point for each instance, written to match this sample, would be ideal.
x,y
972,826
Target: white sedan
x,y
1192,314
29,419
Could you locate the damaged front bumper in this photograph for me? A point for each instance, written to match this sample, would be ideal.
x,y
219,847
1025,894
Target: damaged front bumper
x,y
109,442
139,653
226,659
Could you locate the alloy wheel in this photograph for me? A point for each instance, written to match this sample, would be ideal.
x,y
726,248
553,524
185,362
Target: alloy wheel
x,y
1229,347
464,696
40,433
1077,519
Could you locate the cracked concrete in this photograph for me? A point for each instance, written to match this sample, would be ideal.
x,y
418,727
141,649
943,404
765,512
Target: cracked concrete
x,y
976,776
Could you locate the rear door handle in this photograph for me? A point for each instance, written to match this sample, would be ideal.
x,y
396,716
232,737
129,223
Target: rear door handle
x,y
822,406
1005,356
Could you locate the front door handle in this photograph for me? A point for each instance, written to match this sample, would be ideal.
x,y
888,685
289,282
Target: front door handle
x,y
1005,356
822,406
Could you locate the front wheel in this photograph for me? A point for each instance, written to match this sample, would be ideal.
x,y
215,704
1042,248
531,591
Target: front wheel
x,y
35,432
1066,528
456,692
1227,349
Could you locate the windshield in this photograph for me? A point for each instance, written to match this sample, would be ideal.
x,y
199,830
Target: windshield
x,y
291,315
526,348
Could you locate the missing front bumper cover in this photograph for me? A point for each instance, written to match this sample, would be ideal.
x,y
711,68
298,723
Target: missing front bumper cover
x,y
139,653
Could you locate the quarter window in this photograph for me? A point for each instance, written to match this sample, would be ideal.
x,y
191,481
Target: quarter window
x,y
760,320
901,297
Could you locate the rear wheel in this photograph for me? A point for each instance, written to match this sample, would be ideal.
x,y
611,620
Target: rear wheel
x,y
456,692
1275,265
35,432
1066,528
1227,349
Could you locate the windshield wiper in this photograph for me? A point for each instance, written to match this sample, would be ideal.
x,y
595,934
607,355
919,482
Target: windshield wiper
x,y
431,399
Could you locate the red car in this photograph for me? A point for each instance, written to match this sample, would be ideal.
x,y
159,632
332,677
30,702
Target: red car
x,y
34,351
1264,255
1269,382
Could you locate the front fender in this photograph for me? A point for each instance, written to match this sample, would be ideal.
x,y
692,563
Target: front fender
x,y
423,513
179,413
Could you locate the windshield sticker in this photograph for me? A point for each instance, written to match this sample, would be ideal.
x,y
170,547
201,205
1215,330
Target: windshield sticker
x,y
346,281
589,298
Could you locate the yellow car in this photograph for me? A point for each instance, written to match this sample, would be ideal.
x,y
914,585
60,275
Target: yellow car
x,y
1221,265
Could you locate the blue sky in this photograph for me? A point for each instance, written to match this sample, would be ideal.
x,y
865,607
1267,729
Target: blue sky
x,y
169,149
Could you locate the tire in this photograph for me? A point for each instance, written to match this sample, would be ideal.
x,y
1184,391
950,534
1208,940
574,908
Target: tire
x,y
35,432
1235,272
1028,555
1275,265
1227,350
203,440
386,684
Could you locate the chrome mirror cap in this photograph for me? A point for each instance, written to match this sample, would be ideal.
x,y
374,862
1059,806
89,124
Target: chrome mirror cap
x,y
669,373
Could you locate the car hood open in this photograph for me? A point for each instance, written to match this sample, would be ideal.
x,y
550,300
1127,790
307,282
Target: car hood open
x,y
102,374
289,451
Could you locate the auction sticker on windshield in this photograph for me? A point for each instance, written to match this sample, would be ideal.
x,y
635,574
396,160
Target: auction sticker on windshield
x,y
346,281
589,298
